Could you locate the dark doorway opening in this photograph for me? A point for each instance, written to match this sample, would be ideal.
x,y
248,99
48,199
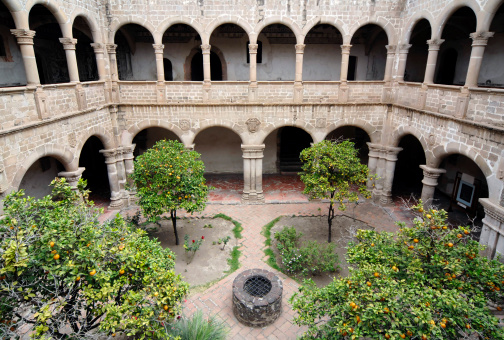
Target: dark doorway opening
x,y
291,141
447,66
168,71
197,67
408,175
96,173
146,139
352,67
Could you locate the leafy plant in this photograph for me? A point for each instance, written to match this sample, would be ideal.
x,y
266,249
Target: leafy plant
x,y
198,328
192,247
66,275
332,170
224,241
168,177
424,282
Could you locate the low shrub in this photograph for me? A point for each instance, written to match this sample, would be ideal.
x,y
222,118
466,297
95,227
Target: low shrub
x,y
199,328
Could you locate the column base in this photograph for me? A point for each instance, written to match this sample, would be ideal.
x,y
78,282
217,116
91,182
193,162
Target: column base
x,y
252,198
116,203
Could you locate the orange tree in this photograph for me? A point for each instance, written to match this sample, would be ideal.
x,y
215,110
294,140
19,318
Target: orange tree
x,y
169,177
65,275
330,169
423,282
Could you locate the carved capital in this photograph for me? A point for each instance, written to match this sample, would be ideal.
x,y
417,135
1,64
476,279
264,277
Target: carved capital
x,y
68,43
98,48
24,37
111,48
72,177
158,48
345,49
253,151
205,48
404,48
253,48
432,173
435,44
253,124
480,38
109,155
492,210
390,49
300,48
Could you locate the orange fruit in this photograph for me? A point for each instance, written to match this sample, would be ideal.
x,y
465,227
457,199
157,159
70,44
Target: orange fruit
x,y
372,244
376,274
53,252
411,247
428,216
77,278
420,210
387,336
93,272
450,244
56,257
415,240
402,336
459,235
121,272
468,326
165,307
467,232
51,244
368,283
442,325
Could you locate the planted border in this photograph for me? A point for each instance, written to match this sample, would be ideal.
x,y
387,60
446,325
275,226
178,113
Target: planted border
x,y
266,232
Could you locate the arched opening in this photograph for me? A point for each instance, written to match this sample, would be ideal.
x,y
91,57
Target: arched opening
x,y
460,188
179,41
37,179
279,53
290,142
220,150
358,136
135,55
368,48
418,52
86,59
95,172
11,62
322,54
49,53
197,67
146,139
408,175
491,72
455,51
168,70
228,40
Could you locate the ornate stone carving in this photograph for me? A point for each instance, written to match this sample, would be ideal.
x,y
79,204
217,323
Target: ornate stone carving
x,y
320,123
403,48
390,49
111,48
98,48
481,38
206,48
345,49
24,37
68,43
431,140
253,124
158,48
184,124
300,48
434,44
253,48
72,139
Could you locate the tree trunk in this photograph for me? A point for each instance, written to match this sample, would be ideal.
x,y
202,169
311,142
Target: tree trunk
x,y
330,217
173,214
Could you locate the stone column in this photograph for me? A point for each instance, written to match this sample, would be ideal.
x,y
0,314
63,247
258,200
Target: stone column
x,y
374,154
390,156
72,177
129,168
115,191
432,57
253,72
403,57
159,51
252,173
114,74
343,88
390,62
480,40
25,41
69,47
429,182
99,50
205,49
298,78
493,229
121,172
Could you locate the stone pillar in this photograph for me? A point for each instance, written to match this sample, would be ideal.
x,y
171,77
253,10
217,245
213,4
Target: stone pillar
x,y
72,177
205,49
480,40
429,182
343,89
253,72
390,63
374,154
25,41
159,51
114,74
99,50
432,57
403,57
121,173
129,168
69,47
298,78
252,173
390,156
115,191
493,229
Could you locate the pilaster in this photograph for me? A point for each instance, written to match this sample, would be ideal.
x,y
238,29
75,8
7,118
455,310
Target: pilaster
x,y
253,72
492,233
252,173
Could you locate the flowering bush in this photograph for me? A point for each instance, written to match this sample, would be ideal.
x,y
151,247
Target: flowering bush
x,y
191,247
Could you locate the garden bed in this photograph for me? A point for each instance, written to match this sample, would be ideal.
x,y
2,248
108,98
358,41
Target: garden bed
x,y
315,228
209,263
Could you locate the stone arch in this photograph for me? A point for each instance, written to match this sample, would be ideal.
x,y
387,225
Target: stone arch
x,y
12,5
277,20
338,24
301,125
386,26
437,28
167,23
403,130
99,132
410,26
54,8
19,16
372,132
223,124
487,15
442,151
63,155
226,19
117,23
128,135
93,25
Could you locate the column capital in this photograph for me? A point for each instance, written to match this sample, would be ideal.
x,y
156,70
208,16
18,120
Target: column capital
x,y
110,155
390,153
432,173
404,48
128,150
24,36
205,48
345,48
253,48
492,209
68,43
98,48
435,44
391,49
480,38
253,151
300,48
111,48
72,177
158,48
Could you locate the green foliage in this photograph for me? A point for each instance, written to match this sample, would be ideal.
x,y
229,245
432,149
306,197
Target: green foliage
x,y
192,246
234,262
238,227
62,268
224,241
311,258
266,232
424,282
199,328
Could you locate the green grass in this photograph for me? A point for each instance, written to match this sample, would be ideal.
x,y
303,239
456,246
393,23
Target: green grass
x,y
197,327
234,261
238,227
266,232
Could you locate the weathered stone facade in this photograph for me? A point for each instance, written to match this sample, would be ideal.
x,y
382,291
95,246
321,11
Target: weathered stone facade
x,y
41,119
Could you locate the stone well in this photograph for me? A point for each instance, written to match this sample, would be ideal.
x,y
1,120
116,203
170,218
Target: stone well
x,y
257,297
